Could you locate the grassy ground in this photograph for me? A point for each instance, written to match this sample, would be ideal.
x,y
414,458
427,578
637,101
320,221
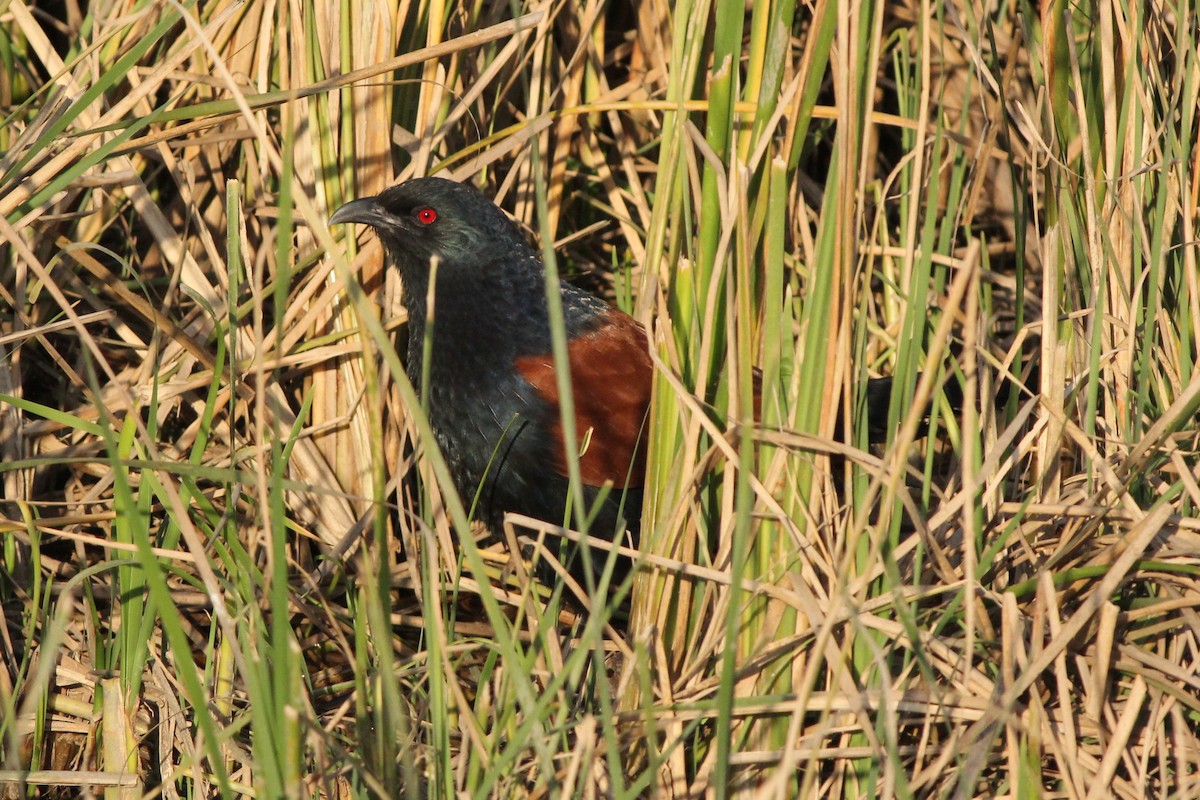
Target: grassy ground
x,y
227,567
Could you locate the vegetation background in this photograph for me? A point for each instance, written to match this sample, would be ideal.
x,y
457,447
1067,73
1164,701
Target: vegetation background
x,y
226,567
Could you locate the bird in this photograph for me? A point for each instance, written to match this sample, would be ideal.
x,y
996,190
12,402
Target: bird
x,y
493,400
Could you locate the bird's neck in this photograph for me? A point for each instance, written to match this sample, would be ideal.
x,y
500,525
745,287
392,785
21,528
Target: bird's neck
x,y
480,317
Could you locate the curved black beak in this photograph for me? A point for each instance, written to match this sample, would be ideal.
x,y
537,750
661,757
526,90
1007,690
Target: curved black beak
x,y
366,211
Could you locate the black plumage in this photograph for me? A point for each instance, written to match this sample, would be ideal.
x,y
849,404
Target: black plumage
x,y
493,400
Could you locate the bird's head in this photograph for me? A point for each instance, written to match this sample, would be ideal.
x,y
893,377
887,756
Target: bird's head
x,y
433,217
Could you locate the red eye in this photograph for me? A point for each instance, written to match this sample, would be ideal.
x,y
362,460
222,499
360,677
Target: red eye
x,y
426,216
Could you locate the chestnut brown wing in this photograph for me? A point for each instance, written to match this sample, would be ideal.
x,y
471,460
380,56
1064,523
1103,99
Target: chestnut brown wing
x,y
611,376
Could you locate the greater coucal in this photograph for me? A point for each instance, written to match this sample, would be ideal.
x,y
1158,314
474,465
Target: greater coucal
x,y
493,396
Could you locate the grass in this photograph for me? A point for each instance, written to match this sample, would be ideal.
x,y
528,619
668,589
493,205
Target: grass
x,y
230,565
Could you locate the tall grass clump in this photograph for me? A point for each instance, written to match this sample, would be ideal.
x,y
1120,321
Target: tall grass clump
x,y
231,560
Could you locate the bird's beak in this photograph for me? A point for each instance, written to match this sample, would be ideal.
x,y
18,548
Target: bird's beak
x,y
367,211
